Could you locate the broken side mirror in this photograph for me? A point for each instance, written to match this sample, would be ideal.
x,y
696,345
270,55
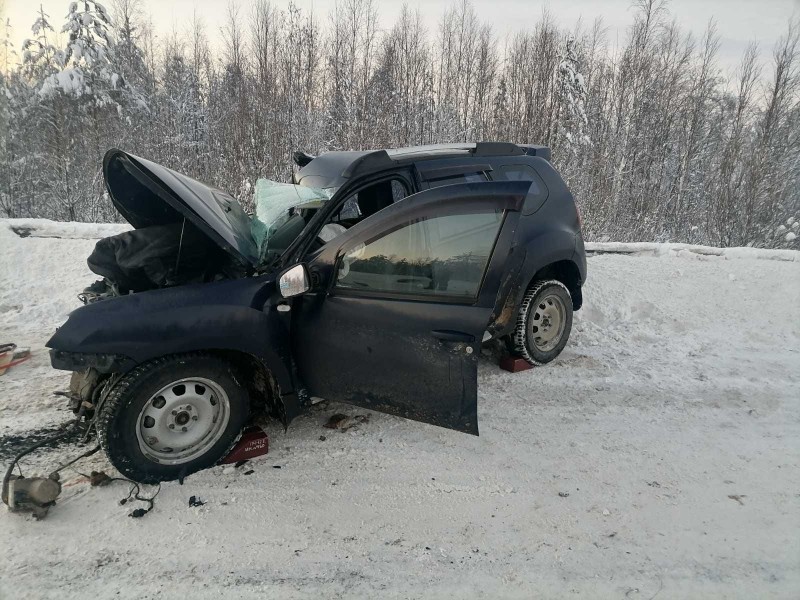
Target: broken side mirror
x,y
293,281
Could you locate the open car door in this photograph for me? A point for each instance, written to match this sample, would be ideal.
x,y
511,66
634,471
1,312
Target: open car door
x,y
399,303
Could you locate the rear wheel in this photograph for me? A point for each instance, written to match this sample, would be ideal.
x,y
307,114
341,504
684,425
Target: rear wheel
x,y
172,416
544,322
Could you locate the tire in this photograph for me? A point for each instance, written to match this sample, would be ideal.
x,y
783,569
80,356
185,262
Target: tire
x,y
549,302
172,416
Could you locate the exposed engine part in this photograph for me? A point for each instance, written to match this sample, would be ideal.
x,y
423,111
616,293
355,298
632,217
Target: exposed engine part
x,y
99,290
36,494
83,388
11,484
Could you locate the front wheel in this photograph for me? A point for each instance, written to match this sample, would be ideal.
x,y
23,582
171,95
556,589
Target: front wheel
x,y
172,416
544,322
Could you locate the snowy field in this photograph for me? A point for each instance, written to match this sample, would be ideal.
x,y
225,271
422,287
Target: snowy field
x,y
658,457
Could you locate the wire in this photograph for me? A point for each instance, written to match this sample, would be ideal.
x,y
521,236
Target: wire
x,y
135,489
68,429
77,458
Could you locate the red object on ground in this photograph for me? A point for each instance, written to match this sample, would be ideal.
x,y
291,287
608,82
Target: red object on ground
x,y
514,364
254,442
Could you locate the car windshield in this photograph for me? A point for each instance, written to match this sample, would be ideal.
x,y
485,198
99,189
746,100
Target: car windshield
x,y
281,212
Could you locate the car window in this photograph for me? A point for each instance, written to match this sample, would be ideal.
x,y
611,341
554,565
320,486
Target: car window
x,y
460,178
371,199
523,173
436,256
276,208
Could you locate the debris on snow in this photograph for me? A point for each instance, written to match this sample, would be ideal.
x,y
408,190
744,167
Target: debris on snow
x,y
97,478
344,422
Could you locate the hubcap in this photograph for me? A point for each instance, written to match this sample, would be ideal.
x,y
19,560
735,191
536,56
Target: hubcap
x,y
183,420
547,323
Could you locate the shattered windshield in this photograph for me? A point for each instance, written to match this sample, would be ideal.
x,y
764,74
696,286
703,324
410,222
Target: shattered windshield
x,y
281,212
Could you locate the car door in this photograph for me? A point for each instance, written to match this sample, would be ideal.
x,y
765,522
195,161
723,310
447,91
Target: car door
x,y
400,302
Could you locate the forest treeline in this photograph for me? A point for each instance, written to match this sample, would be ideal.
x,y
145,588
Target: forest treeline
x,y
656,142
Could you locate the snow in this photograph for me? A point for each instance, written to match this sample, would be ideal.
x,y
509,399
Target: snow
x,y
69,80
639,248
657,456
45,228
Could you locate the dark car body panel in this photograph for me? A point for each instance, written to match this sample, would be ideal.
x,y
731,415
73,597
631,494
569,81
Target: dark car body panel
x,y
146,193
410,356
238,315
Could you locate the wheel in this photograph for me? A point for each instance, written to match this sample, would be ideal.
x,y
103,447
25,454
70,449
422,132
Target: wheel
x,y
172,416
544,322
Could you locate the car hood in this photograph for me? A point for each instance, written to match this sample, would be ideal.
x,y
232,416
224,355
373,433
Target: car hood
x,y
147,194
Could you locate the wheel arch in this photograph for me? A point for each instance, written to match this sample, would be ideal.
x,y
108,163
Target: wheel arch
x,y
565,271
520,277
259,379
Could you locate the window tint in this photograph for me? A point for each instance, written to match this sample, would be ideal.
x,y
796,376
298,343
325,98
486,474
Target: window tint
x,y
371,199
461,178
438,256
522,173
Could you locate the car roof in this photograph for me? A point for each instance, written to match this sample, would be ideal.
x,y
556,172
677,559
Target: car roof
x,y
333,169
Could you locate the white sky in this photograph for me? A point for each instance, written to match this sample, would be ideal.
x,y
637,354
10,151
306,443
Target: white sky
x,y
738,21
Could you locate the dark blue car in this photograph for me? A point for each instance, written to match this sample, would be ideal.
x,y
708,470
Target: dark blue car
x,y
372,279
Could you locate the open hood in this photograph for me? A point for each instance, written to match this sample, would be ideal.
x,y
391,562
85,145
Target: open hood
x,y
147,194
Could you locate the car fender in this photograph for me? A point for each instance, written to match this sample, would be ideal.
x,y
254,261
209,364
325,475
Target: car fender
x,y
544,249
238,317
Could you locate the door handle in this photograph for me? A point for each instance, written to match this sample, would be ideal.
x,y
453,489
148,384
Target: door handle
x,y
445,335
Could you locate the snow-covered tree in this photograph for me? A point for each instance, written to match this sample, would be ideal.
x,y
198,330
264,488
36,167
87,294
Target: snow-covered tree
x,y
87,67
40,56
572,122
128,55
654,142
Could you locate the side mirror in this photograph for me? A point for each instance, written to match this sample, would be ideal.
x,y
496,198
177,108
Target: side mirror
x,y
293,281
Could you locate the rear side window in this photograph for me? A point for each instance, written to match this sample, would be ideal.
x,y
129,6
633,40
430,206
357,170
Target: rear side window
x,y
522,173
537,193
438,256
461,178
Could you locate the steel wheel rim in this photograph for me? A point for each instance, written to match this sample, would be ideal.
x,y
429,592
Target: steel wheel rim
x,y
183,420
547,322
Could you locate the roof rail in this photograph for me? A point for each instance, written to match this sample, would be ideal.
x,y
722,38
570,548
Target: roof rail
x,y
536,150
379,159
497,149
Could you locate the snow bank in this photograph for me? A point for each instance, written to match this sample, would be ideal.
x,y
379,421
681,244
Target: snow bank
x,y
45,228
678,249
86,231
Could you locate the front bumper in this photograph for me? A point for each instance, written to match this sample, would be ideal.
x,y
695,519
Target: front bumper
x,y
80,361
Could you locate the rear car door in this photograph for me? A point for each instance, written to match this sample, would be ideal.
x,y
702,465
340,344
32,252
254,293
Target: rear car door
x,y
400,303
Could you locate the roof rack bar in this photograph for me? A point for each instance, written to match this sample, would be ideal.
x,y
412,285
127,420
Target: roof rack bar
x,y
373,161
497,149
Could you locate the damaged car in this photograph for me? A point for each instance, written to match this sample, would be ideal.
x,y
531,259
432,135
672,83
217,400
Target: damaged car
x,y
372,279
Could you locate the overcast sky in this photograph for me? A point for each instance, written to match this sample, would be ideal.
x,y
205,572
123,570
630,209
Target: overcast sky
x,y
738,21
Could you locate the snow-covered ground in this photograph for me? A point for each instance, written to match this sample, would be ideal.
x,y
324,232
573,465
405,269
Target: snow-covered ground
x,y
659,456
